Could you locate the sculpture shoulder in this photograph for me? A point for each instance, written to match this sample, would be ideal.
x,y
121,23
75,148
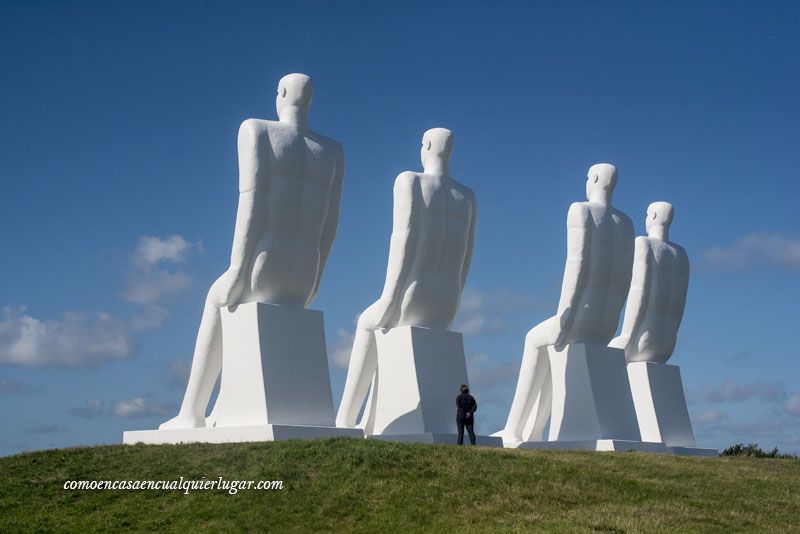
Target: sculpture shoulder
x,y
578,215
681,256
255,127
327,143
642,247
405,182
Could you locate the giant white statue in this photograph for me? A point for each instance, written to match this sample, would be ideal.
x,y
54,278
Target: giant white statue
x,y
596,278
430,252
653,313
290,184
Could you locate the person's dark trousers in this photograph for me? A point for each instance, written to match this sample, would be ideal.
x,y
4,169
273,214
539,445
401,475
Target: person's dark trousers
x,y
469,423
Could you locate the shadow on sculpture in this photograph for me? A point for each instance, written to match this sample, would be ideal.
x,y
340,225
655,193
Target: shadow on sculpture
x,y
290,184
596,279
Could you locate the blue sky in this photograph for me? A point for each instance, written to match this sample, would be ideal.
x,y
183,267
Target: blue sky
x,y
117,133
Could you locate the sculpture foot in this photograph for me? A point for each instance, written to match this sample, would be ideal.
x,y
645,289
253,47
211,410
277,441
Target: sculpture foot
x,y
183,421
341,422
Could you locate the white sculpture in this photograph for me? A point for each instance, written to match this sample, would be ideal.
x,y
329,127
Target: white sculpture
x,y
596,279
429,257
653,313
290,184
657,295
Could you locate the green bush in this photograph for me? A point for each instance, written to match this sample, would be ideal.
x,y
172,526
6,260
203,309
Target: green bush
x,y
752,450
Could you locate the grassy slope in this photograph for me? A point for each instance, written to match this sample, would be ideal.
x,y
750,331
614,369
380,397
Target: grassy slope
x,y
368,485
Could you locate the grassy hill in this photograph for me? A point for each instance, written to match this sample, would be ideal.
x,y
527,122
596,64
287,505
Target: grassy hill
x,y
342,484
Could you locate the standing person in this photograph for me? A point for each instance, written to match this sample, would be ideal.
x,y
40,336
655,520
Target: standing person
x,y
465,414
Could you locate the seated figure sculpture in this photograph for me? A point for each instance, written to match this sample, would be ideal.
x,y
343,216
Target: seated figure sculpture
x,y
596,279
429,257
657,295
290,183
653,314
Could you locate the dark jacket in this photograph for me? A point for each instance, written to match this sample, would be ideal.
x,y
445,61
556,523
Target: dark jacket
x,y
465,404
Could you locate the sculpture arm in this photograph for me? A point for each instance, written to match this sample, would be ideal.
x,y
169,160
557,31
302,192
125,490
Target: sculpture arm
x,y
683,270
402,244
473,222
251,212
331,221
635,307
578,236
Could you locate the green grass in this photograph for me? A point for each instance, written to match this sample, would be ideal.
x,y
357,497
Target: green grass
x,y
342,484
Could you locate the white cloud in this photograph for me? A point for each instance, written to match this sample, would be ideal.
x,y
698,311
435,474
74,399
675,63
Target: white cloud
x,y
140,407
157,270
74,340
486,372
89,410
793,406
755,249
11,386
178,373
712,415
732,392
341,348
496,312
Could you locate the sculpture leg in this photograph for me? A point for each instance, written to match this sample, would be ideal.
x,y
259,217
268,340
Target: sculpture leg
x,y
534,370
206,366
363,364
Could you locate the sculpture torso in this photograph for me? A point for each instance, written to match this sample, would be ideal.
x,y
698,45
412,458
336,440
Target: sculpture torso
x,y
606,273
301,168
667,283
443,211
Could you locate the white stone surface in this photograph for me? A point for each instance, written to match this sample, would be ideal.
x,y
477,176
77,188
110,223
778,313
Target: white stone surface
x,y
660,404
596,279
419,373
430,252
275,380
657,295
236,434
274,368
591,396
290,184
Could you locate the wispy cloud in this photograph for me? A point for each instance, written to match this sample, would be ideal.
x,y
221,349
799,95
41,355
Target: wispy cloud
x,y
341,348
755,249
733,392
11,386
178,373
793,406
74,340
495,312
486,372
157,270
140,407
88,410
712,415
44,429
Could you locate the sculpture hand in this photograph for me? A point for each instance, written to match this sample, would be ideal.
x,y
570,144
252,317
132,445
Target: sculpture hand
x,y
562,325
619,342
231,286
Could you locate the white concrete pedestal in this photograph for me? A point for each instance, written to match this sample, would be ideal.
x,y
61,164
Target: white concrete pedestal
x,y
591,396
660,404
414,391
275,382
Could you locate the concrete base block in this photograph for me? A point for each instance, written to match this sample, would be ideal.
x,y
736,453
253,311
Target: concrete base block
x,y
414,391
660,404
591,395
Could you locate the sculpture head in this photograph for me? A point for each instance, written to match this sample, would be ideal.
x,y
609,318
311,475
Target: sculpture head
x,y
437,146
294,95
600,182
659,217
